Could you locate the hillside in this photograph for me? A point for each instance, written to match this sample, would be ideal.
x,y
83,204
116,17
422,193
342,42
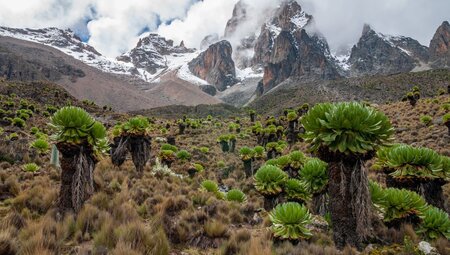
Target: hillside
x,y
29,61
374,89
166,211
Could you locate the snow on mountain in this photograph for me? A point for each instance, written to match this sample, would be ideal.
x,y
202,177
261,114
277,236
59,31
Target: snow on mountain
x,y
67,42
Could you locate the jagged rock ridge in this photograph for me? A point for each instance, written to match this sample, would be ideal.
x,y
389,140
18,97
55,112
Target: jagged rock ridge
x,y
440,46
150,53
216,66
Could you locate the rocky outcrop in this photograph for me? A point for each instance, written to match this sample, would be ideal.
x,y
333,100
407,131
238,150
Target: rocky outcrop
x,y
216,66
376,53
411,47
150,53
286,49
297,55
288,17
239,17
440,46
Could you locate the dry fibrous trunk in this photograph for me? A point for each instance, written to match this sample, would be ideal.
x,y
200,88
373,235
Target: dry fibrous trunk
x,y
248,167
431,190
270,201
252,117
448,126
139,147
349,200
320,203
119,150
77,178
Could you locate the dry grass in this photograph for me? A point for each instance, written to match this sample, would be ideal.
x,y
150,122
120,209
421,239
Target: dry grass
x,y
170,215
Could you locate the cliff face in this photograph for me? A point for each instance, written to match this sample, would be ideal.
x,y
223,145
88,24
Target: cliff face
x,y
216,66
440,46
376,53
286,49
299,56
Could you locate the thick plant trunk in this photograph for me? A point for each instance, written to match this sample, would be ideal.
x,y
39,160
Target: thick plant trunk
x,y
349,199
232,145
320,203
77,177
248,167
119,150
270,202
252,117
224,146
139,146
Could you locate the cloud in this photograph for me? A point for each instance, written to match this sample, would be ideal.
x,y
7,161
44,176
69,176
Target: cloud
x,y
113,26
341,21
203,18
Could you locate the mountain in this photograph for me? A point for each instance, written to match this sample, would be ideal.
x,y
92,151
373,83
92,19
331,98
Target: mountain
x,y
376,53
440,47
216,66
255,55
151,53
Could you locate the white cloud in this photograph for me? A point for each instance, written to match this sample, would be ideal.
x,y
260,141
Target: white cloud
x,y
341,21
203,18
115,24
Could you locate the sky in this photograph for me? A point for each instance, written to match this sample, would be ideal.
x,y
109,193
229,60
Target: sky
x,y
114,26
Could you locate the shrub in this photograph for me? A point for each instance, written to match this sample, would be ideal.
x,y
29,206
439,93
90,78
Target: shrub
x,y
435,224
314,173
292,116
74,125
269,180
198,167
426,119
169,147
290,220
346,128
297,190
18,122
405,161
446,118
283,161
136,126
13,136
259,151
236,196
184,155
41,145
400,203
297,159
210,186
31,167
246,153
34,130
204,150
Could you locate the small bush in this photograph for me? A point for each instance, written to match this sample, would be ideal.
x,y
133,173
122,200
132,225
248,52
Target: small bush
x,y
18,122
236,196
41,145
31,167
426,119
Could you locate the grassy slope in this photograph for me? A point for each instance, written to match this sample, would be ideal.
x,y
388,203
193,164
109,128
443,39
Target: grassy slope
x,y
375,89
129,214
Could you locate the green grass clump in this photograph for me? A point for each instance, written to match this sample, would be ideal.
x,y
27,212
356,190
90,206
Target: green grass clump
x,y
31,167
236,196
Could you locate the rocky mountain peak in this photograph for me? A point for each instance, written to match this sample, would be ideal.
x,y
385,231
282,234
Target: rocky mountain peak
x,y
239,16
376,53
52,36
150,52
440,46
288,17
216,66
